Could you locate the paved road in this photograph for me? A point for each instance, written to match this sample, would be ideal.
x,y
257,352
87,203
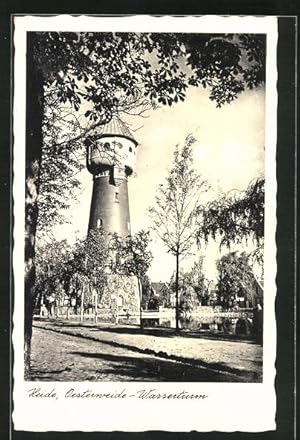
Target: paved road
x,y
115,356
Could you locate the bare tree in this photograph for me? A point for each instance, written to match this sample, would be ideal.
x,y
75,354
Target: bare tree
x,y
176,208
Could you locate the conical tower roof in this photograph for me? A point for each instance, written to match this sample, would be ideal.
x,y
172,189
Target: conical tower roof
x,y
116,127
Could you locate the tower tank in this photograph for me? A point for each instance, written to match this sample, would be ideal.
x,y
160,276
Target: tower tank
x,y
111,153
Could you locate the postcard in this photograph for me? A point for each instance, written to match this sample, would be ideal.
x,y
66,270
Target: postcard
x,y
144,251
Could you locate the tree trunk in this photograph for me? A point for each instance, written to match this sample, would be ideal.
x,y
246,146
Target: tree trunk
x,y
177,292
140,296
34,120
96,307
81,304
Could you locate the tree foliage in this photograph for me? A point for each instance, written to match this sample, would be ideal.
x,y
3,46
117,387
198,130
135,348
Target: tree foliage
x,y
90,263
82,272
62,157
64,270
235,216
235,279
192,286
131,254
199,281
117,71
52,261
188,298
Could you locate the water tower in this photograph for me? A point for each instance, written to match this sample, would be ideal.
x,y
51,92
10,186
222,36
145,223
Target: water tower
x,y
111,153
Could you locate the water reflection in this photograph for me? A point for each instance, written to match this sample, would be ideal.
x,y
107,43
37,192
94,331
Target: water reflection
x,y
216,324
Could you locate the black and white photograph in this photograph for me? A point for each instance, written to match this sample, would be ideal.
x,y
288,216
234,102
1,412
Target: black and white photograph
x,y
148,161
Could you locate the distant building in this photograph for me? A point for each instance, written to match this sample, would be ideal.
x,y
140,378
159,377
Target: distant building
x,y
251,297
161,296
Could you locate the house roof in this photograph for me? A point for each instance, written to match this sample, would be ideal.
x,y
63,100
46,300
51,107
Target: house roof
x,y
259,283
158,287
116,127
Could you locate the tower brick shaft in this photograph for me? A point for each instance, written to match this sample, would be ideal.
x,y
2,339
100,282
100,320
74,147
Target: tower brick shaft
x,y
110,205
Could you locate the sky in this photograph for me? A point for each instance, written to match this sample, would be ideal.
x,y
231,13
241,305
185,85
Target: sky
x,y
228,153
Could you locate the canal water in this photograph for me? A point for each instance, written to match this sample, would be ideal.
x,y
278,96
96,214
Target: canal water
x,y
229,325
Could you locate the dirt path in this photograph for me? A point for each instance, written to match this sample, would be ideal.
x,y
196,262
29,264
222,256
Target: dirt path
x,y
97,354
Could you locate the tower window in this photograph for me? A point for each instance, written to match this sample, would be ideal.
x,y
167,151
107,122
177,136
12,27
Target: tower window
x,y
99,223
116,196
106,146
130,149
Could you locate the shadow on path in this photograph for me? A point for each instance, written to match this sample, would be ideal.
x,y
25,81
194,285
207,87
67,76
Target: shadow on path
x,y
154,369
216,367
159,332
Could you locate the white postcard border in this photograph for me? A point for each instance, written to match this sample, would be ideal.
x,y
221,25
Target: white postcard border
x,y
228,406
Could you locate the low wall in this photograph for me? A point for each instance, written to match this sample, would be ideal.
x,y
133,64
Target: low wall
x,y
104,315
205,311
